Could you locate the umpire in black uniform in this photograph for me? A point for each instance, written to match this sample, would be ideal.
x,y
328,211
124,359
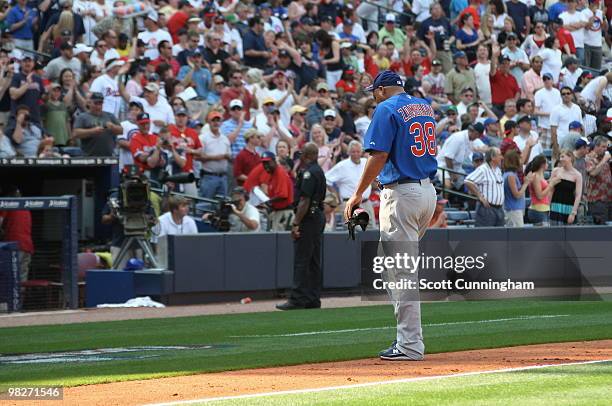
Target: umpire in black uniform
x,y
307,232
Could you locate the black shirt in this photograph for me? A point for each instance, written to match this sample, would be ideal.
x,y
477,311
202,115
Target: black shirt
x,y
30,97
311,183
220,57
440,27
255,42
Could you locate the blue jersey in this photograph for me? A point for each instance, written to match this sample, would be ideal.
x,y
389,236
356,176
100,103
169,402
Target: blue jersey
x,y
404,127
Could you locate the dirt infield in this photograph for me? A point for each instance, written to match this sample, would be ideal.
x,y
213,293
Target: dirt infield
x,y
329,374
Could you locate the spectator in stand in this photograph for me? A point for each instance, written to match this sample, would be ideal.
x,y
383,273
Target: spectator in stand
x,y
26,88
436,79
539,191
195,74
556,9
551,58
297,125
107,86
389,30
592,34
599,185
487,184
514,190
249,157
66,60
215,157
16,225
25,134
504,87
468,37
146,148
283,94
179,19
439,25
482,71
56,118
519,13
187,141
318,104
593,92
21,21
276,183
567,191
102,53
271,126
331,57
519,61
576,132
344,177
455,151
538,13
156,107
561,116
130,128
570,73
532,80
237,91
566,41
97,129
256,53
534,43
164,49
575,21
217,58
459,78
153,35
546,99
235,127
491,135
527,140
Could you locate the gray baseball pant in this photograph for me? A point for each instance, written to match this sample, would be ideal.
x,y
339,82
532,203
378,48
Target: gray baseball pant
x,y
405,213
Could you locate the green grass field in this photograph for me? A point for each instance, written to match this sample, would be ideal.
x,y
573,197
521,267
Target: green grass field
x,y
447,327
563,385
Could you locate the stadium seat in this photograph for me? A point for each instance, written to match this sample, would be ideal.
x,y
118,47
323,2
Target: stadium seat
x,y
458,216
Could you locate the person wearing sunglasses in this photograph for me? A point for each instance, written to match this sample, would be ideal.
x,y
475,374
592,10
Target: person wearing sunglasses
x,y
487,183
560,118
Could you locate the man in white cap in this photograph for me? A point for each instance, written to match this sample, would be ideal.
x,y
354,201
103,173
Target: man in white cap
x,y
390,31
103,53
235,127
82,53
153,35
65,60
158,109
106,84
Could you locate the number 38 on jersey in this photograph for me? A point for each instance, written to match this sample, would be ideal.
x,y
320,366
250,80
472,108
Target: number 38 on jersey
x,y
424,138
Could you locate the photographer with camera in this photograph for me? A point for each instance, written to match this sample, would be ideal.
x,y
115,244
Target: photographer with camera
x,y
186,139
236,215
146,148
276,183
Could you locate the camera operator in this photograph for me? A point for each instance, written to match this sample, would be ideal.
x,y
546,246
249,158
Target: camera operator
x,y
244,217
186,139
174,155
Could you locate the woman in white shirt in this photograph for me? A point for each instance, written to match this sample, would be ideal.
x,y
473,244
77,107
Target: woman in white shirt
x,y
551,58
535,42
498,10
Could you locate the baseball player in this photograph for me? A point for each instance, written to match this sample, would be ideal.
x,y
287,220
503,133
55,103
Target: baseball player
x,y
401,141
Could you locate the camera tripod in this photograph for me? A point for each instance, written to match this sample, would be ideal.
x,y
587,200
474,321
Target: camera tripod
x,y
141,242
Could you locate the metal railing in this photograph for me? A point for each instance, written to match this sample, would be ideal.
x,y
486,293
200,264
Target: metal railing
x,y
453,192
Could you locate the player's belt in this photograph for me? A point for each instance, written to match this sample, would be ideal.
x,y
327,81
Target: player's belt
x,y
404,181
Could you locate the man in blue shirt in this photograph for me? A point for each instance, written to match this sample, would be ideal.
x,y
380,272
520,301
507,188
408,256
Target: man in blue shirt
x,y
256,54
196,74
20,21
401,140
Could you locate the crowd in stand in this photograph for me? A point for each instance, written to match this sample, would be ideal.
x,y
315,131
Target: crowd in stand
x,y
232,90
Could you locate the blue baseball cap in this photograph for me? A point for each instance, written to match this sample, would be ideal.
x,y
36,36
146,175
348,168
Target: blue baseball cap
x,y
490,121
575,124
268,156
477,156
384,79
459,54
581,142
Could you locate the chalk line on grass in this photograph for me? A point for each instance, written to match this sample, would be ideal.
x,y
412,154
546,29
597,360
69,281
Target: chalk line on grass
x,y
369,384
352,330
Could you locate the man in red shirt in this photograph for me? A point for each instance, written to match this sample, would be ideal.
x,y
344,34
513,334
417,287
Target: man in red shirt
x,y
188,140
165,56
236,90
248,158
179,19
17,226
566,41
275,182
146,146
503,83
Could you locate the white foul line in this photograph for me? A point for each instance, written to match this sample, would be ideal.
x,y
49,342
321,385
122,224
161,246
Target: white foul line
x,y
451,323
368,384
